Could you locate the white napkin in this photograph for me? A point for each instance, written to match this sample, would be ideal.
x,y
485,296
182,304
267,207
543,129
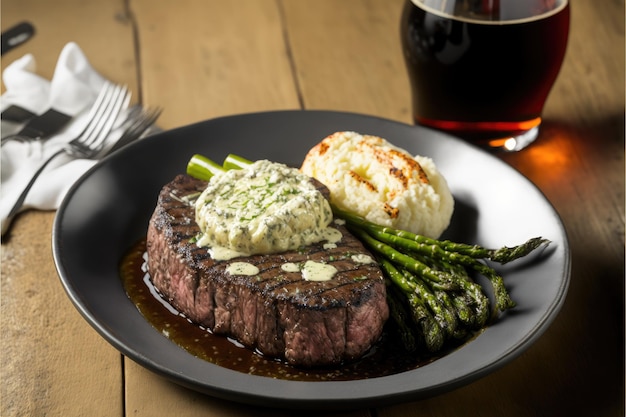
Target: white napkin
x,y
72,90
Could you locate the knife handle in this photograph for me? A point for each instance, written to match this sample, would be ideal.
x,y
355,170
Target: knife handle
x,y
16,114
16,36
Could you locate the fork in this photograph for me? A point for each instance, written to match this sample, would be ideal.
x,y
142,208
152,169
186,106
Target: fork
x,y
138,121
111,100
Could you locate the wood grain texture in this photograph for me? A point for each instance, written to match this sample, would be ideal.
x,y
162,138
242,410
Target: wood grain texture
x,y
207,58
349,58
103,30
53,362
203,59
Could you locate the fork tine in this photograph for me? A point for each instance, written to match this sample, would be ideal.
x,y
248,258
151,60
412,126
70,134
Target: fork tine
x,y
147,119
103,126
104,96
138,125
105,114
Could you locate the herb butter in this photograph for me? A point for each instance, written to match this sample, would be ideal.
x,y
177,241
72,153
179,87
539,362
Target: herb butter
x,y
311,270
317,271
242,268
265,208
362,259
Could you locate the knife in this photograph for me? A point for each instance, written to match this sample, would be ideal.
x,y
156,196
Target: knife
x,y
16,36
40,127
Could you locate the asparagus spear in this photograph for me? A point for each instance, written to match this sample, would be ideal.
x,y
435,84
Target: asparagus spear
x,y
203,168
406,261
444,316
233,161
501,255
401,317
433,335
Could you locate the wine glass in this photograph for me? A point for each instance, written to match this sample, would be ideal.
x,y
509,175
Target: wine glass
x,y
482,69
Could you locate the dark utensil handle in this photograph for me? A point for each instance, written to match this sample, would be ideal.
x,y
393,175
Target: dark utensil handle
x,y
16,114
6,224
16,36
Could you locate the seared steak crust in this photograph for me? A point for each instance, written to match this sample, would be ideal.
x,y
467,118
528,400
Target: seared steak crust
x,y
308,323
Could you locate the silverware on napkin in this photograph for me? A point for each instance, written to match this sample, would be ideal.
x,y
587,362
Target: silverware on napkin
x,y
94,142
40,127
111,101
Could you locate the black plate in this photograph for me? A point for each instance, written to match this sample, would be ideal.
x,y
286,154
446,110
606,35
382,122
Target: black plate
x,y
107,211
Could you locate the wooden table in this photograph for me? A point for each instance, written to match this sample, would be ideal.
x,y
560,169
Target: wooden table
x,y
205,58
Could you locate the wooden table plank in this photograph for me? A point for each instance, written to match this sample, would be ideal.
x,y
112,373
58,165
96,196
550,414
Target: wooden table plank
x,y
198,63
349,58
53,362
594,65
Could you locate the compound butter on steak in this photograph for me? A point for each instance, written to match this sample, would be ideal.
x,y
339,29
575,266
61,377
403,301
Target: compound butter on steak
x,y
307,292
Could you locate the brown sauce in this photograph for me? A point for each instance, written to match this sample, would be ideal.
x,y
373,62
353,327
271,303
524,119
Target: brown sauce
x,y
386,358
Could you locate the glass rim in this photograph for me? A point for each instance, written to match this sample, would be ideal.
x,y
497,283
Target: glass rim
x,y
560,5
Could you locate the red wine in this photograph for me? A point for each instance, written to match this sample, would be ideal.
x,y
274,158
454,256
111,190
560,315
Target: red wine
x,y
478,78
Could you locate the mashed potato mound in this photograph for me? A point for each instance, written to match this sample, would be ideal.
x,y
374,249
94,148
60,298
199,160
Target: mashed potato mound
x,y
385,184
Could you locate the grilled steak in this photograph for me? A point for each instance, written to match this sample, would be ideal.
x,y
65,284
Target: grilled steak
x,y
307,323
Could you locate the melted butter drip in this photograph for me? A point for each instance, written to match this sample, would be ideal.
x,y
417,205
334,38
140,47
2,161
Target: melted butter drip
x,y
242,268
311,270
317,271
361,258
332,235
290,267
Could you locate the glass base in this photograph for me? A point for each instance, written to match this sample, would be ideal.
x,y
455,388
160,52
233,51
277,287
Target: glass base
x,y
502,136
513,143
